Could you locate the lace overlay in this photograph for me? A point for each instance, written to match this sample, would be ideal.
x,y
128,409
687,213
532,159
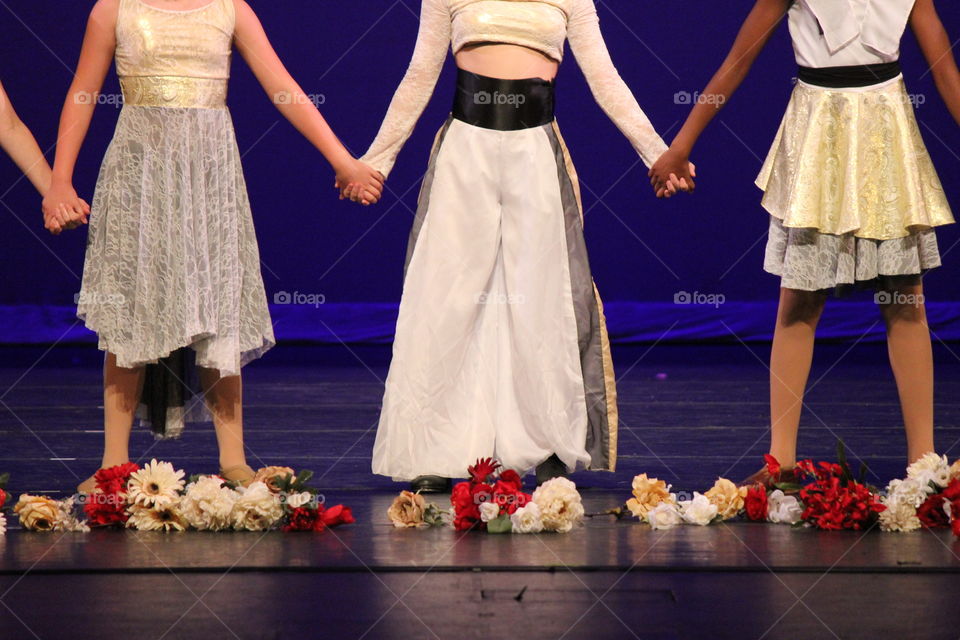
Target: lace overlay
x,y
582,29
154,91
172,258
853,161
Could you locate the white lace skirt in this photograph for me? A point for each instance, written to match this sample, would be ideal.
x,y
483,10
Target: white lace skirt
x,y
172,258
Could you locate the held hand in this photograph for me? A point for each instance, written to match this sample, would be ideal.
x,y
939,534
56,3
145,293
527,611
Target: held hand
x,y
360,182
63,209
672,172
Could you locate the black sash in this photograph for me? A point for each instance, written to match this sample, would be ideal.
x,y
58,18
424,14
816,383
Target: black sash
x,y
846,77
504,105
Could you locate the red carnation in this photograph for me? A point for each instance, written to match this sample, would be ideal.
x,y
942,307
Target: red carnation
x,y
120,473
461,497
932,514
108,504
337,515
302,519
756,503
513,478
773,466
483,469
3,498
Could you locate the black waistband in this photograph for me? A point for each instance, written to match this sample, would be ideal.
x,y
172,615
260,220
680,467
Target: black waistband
x,y
855,76
504,105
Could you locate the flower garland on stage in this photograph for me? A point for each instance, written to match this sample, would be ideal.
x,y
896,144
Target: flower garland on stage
x,y
157,498
495,503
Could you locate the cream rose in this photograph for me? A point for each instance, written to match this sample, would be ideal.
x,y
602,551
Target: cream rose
x,y
37,513
207,504
647,494
489,511
664,516
912,491
783,509
527,519
728,497
271,476
699,510
257,508
407,510
560,504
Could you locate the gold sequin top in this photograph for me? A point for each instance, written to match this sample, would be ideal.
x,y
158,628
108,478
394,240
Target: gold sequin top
x,y
543,25
174,58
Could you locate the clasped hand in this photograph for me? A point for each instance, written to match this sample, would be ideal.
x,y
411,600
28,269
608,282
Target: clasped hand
x,y
671,173
360,183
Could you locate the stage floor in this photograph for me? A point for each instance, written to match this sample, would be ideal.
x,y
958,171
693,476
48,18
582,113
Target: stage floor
x,y
690,414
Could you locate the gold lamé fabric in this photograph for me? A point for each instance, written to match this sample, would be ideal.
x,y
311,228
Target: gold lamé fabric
x,y
853,161
174,58
538,24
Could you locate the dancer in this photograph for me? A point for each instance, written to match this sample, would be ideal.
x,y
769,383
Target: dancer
x,y
852,194
501,347
172,271
22,147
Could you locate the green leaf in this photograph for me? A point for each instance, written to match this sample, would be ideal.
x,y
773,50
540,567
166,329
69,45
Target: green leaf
x,y
788,487
303,477
863,472
4,479
500,524
847,476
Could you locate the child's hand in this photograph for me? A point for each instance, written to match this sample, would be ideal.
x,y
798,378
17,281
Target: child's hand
x,y
672,172
63,209
360,182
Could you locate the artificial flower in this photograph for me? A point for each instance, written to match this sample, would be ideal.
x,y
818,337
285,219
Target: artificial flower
x,y
407,510
728,498
932,513
899,516
256,509
511,477
954,471
3,524
755,503
482,469
930,468
104,509
783,509
3,498
527,519
207,504
161,517
297,499
37,513
155,485
273,477
67,519
337,515
303,519
699,510
489,511
911,491
560,504
665,515
831,505
773,465
647,494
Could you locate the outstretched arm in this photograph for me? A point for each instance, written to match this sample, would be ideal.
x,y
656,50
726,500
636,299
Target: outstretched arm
x,y
936,48
293,103
413,94
21,146
754,35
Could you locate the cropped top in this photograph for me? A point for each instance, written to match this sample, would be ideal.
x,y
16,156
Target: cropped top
x,y
542,25
840,33
175,58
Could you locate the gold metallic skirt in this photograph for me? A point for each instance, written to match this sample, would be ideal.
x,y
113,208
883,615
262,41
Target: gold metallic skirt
x,y
852,161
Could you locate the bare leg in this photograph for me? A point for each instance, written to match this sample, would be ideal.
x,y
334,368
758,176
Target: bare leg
x,y
790,360
224,397
121,394
911,358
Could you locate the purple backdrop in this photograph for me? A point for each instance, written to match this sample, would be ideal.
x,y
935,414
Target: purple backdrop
x,y
351,56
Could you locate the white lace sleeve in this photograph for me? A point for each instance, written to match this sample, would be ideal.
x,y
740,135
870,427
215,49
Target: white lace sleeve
x,y
415,89
609,89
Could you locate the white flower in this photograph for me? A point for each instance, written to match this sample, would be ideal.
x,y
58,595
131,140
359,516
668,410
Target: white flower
x,y
664,516
257,508
527,519
699,511
3,524
783,509
67,519
207,504
295,500
489,511
899,516
560,505
155,485
930,468
166,517
912,491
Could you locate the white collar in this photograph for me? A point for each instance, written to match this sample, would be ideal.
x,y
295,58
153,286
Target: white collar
x,y
882,28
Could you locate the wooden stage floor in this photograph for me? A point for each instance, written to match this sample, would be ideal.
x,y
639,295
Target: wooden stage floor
x,y
317,407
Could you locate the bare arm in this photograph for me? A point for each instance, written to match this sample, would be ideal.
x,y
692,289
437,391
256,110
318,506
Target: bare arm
x,y
753,37
935,45
293,103
21,146
99,43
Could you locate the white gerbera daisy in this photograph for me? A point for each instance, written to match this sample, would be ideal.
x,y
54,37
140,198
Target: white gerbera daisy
x,y
166,517
155,485
207,504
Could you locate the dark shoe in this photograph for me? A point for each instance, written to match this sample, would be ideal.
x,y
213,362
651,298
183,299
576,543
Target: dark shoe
x,y
430,484
769,480
551,468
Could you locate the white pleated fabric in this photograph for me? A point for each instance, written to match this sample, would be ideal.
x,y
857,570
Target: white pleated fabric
x,y
487,358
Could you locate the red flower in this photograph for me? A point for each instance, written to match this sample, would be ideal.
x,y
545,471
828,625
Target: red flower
x,y
461,498
756,503
932,514
303,519
513,478
3,498
337,515
773,466
120,473
108,504
951,493
832,506
956,519
508,498
483,469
